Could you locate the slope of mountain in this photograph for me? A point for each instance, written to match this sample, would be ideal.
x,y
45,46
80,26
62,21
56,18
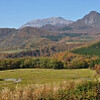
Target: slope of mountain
x,y
50,27
46,50
91,49
25,38
56,21
29,38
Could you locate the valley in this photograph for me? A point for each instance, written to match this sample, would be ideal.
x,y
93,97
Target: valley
x,y
51,59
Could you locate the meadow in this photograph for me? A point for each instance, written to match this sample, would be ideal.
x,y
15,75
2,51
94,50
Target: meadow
x,y
43,76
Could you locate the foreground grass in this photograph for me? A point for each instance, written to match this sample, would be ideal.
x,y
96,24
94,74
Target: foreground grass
x,y
44,76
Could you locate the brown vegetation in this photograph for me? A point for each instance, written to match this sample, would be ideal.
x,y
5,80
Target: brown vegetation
x,y
79,90
97,68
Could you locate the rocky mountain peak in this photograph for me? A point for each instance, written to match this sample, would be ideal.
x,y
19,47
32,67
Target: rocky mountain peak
x,y
56,21
93,12
92,17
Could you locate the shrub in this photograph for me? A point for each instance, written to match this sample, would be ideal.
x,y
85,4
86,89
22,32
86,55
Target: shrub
x,y
89,90
97,68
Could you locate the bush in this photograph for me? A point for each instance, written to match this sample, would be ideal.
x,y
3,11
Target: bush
x,y
97,68
89,90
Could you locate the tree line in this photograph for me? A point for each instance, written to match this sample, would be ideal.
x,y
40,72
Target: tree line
x,y
68,62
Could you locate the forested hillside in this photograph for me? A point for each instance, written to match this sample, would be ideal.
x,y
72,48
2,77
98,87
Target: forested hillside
x,y
93,49
45,51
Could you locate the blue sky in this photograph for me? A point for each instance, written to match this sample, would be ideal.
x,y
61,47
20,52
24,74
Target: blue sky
x,y
14,13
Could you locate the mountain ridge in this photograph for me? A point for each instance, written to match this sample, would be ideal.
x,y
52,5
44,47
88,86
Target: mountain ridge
x,y
56,21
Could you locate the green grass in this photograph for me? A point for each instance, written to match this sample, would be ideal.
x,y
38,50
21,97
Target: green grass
x,y
12,51
44,76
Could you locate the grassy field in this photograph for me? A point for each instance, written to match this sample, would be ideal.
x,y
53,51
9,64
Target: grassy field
x,y
12,51
43,76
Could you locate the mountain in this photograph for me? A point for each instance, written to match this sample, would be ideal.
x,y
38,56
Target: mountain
x,y
56,32
90,23
56,21
91,19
